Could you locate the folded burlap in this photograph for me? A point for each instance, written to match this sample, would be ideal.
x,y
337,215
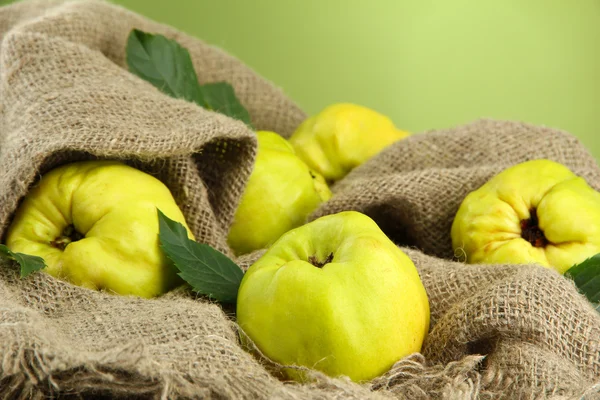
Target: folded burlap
x,y
501,331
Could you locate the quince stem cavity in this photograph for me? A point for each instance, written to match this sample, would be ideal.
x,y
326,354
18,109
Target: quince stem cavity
x,y
314,261
69,234
531,231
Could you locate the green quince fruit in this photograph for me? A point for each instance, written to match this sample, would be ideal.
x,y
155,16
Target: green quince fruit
x,y
280,194
341,137
534,212
336,295
95,223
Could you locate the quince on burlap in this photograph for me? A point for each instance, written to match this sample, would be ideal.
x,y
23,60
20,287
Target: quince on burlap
x,y
496,331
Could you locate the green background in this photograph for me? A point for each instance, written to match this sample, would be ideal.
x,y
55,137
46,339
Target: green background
x,y
426,64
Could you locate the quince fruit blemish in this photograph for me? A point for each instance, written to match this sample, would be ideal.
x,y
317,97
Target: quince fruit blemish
x,y
343,136
335,295
280,194
95,224
534,212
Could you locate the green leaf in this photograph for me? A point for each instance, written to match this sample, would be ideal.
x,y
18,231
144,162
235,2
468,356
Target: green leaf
x,y
221,97
586,276
29,264
165,64
207,270
168,66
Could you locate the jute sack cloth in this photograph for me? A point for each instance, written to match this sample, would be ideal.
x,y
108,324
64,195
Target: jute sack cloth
x,y
497,331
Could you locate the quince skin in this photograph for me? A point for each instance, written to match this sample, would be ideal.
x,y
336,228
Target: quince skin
x,y
95,224
336,295
534,212
281,192
341,137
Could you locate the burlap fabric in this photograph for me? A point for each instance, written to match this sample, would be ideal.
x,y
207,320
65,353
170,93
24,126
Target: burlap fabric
x,y
497,331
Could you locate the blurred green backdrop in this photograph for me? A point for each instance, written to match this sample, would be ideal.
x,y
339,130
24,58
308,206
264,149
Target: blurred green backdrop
x,y
427,64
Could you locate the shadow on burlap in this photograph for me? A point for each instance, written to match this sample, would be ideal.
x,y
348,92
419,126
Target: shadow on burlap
x,y
496,331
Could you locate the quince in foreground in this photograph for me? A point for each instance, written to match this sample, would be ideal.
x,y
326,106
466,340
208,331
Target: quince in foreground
x,y
335,295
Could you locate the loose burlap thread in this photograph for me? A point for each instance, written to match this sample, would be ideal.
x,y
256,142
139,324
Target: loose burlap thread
x,y
499,331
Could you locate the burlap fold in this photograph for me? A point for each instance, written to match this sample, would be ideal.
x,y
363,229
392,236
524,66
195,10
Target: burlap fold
x,y
502,331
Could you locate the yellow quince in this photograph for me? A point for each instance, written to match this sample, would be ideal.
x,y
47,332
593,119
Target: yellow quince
x,y
280,194
341,137
537,211
336,295
95,223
